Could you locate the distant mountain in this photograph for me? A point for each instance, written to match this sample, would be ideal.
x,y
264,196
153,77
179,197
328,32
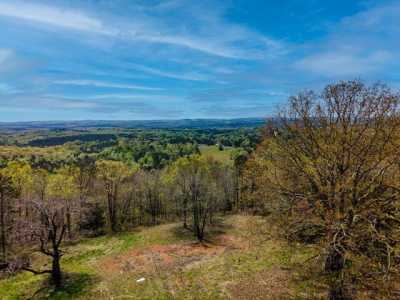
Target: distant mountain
x,y
139,124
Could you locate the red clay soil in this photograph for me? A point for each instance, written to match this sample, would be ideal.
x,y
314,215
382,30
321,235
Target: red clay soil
x,y
161,257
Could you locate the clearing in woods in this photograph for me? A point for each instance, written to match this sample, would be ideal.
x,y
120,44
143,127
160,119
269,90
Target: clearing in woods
x,y
217,154
240,260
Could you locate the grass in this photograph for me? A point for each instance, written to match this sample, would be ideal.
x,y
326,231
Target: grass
x,y
214,152
240,261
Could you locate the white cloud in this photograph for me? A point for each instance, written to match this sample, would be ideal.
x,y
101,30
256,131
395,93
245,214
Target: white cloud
x,y
52,16
338,64
104,84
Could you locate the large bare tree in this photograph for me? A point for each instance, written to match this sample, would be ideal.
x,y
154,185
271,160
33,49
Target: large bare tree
x,y
336,156
49,232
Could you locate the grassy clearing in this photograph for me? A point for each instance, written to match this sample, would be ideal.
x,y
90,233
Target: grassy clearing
x,y
240,261
214,152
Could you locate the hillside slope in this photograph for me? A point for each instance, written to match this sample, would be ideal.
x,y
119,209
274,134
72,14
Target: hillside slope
x,y
241,260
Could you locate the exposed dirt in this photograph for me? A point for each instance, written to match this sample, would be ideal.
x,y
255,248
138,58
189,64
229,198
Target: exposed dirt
x,y
168,257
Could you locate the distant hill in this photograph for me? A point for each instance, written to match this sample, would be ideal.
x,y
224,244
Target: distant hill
x,y
139,124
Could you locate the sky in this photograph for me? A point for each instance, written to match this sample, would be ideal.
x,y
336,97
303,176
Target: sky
x,y
175,59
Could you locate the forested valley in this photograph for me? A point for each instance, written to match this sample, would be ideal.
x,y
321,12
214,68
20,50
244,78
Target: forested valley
x,y
305,207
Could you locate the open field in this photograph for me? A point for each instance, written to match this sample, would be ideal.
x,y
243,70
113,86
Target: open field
x,y
240,260
219,155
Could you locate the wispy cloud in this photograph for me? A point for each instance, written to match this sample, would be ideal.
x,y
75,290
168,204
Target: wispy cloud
x,y
141,97
224,40
361,45
53,16
5,55
383,18
8,60
141,109
104,84
29,101
210,47
192,76
11,64
345,63
229,99
198,58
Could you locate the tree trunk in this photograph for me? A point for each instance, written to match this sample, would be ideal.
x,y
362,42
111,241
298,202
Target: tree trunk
x,y
69,226
81,209
337,291
237,190
185,201
196,220
56,274
334,262
334,265
111,213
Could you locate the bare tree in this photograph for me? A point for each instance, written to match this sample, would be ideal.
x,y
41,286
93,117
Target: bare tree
x,y
337,154
49,232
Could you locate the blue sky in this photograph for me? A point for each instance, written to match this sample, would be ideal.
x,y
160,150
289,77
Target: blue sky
x,y
172,59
